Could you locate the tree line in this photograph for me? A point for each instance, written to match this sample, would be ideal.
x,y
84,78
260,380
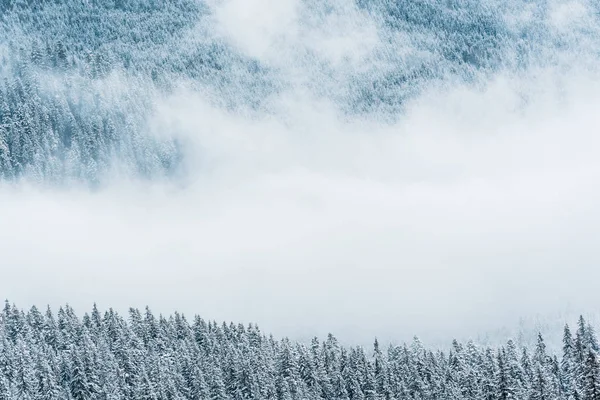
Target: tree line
x,y
47,356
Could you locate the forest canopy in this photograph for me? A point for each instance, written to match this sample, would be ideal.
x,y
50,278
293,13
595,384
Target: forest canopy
x,y
46,355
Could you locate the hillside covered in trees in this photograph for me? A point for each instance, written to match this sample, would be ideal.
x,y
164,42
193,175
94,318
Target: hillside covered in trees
x,y
79,78
44,355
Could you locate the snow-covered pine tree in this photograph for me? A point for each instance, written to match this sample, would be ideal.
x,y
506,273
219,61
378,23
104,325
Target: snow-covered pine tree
x,y
591,377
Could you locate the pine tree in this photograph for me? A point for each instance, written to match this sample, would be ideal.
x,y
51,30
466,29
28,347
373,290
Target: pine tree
x,y
591,339
25,385
545,380
517,377
5,392
380,370
47,387
591,377
489,388
504,384
540,385
569,368
216,385
581,340
81,387
199,387
339,391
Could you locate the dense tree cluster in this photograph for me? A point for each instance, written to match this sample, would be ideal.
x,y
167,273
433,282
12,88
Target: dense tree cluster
x,y
78,80
74,135
78,77
106,356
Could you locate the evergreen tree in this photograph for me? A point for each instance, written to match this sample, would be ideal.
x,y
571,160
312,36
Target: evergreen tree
x,y
591,376
569,366
505,384
5,392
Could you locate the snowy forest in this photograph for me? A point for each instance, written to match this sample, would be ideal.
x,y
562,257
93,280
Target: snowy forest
x,y
79,78
81,83
107,356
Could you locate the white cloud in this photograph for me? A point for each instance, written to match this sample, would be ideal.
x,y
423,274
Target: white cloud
x,y
564,15
281,33
256,26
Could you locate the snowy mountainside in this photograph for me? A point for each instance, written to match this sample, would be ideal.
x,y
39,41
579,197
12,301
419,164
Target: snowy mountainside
x,y
81,78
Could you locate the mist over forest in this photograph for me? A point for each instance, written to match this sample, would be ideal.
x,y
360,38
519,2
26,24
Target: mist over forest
x,y
369,168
